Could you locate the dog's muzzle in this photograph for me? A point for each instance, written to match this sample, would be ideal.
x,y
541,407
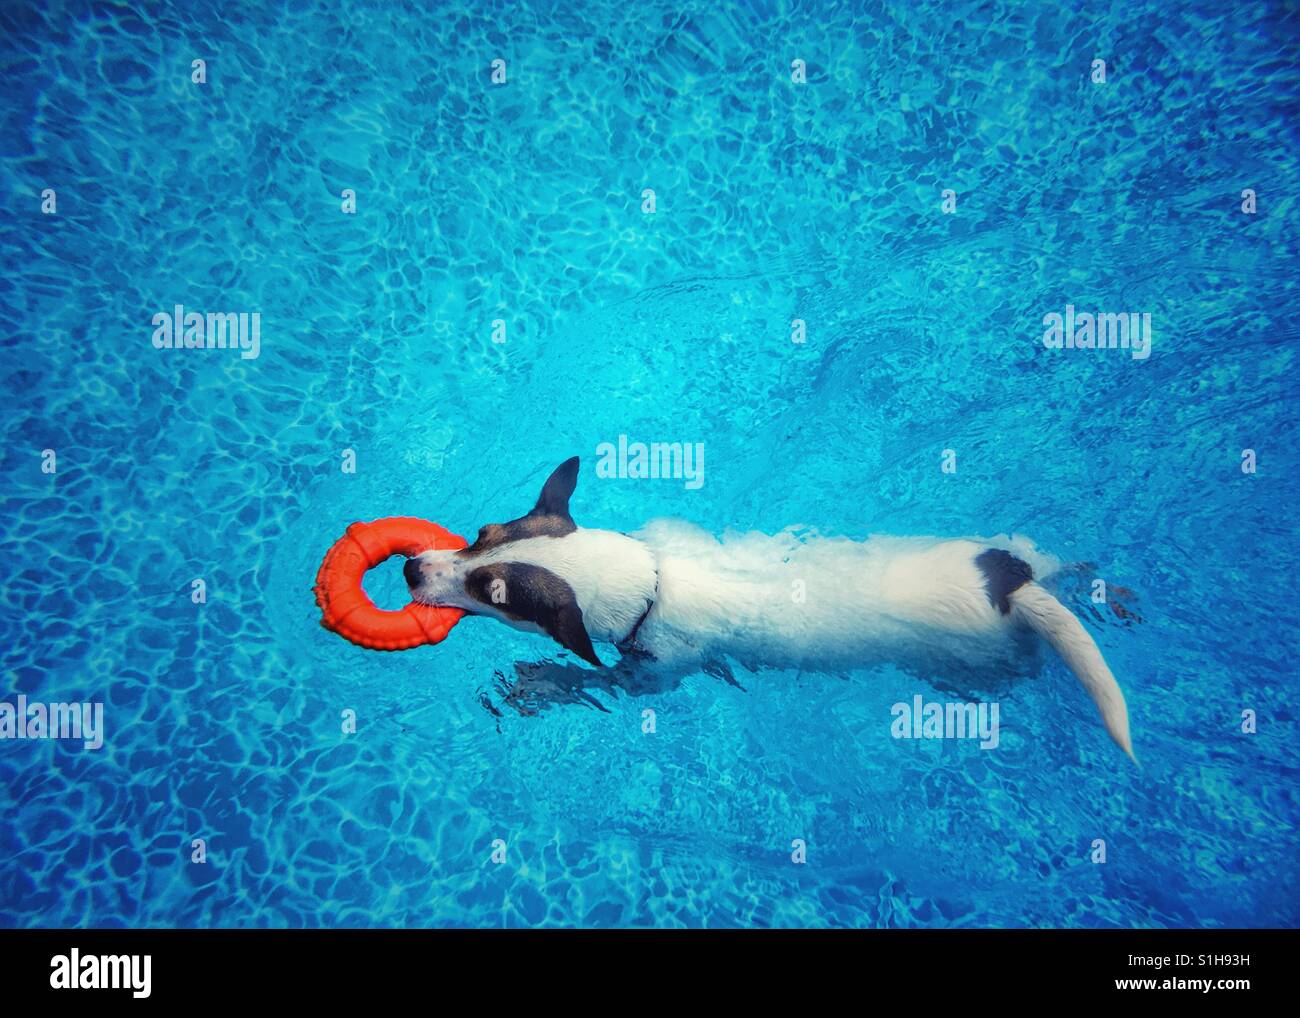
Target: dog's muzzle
x,y
412,573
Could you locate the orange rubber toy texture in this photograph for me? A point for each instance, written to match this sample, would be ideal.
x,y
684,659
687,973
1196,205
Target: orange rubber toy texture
x,y
345,608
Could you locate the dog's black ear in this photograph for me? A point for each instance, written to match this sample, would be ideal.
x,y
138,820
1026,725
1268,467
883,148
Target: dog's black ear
x,y
554,500
529,593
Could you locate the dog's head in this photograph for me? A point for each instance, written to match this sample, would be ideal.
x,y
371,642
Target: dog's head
x,y
541,573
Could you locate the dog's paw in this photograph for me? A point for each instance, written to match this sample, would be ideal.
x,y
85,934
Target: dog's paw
x,y
1119,599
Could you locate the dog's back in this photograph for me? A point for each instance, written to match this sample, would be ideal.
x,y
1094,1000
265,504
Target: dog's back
x,y
832,604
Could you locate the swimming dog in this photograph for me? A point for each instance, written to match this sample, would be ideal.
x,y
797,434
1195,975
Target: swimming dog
x,y
675,598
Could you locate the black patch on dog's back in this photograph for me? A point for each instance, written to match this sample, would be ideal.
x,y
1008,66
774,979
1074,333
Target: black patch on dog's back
x,y
1003,573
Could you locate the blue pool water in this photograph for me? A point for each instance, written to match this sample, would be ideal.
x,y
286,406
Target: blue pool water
x,y
522,202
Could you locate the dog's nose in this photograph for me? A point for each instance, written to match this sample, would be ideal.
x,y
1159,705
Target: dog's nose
x,y
412,572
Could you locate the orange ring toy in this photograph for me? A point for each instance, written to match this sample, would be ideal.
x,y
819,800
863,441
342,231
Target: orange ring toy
x,y
345,608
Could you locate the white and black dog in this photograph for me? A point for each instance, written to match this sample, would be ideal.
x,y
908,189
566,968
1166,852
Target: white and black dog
x,y
675,598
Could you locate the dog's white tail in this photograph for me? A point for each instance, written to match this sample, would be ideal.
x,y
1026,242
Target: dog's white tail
x,y
1055,623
